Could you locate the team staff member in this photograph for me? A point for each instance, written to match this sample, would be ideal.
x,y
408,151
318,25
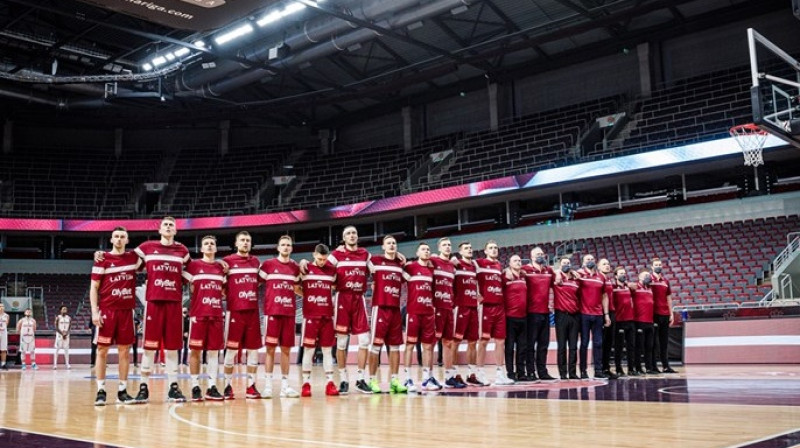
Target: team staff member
x,y
663,317
594,315
609,332
568,320
515,292
643,316
625,326
539,278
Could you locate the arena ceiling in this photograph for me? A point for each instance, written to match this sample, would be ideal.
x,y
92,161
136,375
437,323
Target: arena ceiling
x,y
309,62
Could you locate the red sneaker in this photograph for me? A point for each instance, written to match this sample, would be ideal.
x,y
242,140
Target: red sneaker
x,y
253,393
306,390
331,390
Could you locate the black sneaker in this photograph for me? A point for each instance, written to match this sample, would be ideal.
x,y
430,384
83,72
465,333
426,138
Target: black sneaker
x,y
100,400
600,375
584,375
564,377
654,369
124,398
175,395
652,372
633,372
213,394
513,376
547,377
620,373
531,377
611,375
144,394
363,387
228,393
197,394
344,388
669,370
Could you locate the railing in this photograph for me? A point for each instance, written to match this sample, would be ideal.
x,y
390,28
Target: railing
x,y
792,246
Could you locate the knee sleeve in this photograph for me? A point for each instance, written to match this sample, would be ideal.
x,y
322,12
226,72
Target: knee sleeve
x,y
394,348
327,361
308,358
376,349
252,358
341,341
363,341
230,355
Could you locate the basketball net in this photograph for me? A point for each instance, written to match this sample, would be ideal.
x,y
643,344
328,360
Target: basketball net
x,y
751,139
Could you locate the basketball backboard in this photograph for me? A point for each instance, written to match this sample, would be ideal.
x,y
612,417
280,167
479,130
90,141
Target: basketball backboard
x,y
775,90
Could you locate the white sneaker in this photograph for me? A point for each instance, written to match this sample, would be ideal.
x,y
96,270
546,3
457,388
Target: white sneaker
x,y
54,367
410,385
266,393
482,378
288,392
503,380
69,367
35,367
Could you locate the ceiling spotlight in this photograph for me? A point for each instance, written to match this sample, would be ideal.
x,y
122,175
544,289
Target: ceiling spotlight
x,y
159,61
234,34
170,56
147,67
199,43
181,52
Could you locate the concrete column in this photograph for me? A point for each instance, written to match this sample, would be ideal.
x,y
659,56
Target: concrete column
x,y
408,129
645,71
117,142
494,117
224,136
8,132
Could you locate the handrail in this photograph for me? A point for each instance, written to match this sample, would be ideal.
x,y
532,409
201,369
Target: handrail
x,y
783,257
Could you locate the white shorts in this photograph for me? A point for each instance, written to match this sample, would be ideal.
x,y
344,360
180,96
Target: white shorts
x,y
3,341
62,342
27,345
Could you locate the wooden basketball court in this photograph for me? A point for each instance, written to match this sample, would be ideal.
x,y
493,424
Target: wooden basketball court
x,y
720,406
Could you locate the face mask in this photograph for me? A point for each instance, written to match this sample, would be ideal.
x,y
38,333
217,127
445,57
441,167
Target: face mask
x,y
657,270
646,281
539,260
565,269
622,278
590,264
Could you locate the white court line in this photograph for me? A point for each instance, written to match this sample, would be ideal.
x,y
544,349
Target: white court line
x,y
58,436
174,414
763,439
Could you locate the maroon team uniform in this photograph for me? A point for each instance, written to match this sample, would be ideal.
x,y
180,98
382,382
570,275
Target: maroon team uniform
x,y
244,327
318,306
420,314
643,306
387,322
444,275
117,299
490,280
351,282
467,324
626,329
279,303
206,319
163,320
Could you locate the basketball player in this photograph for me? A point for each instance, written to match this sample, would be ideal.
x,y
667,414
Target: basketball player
x,y
609,332
4,319
113,298
444,274
568,318
539,278
351,313
420,317
26,327
643,317
206,279
467,323
243,324
387,321
281,275
626,328
62,324
515,293
594,315
493,324
662,295
318,318
164,261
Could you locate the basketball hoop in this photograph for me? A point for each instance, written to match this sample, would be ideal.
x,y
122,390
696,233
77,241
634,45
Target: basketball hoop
x,y
751,139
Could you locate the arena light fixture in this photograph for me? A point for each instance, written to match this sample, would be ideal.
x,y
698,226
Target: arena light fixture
x,y
160,60
277,14
199,43
181,52
233,34
147,66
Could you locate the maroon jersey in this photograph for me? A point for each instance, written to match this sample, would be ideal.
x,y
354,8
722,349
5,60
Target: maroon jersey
x,y
610,282
540,282
419,279
279,293
387,277
623,302
242,285
466,285
351,269
318,290
565,295
164,266
661,290
516,295
643,304
592,287
444,274
490,280
208,281
117,277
